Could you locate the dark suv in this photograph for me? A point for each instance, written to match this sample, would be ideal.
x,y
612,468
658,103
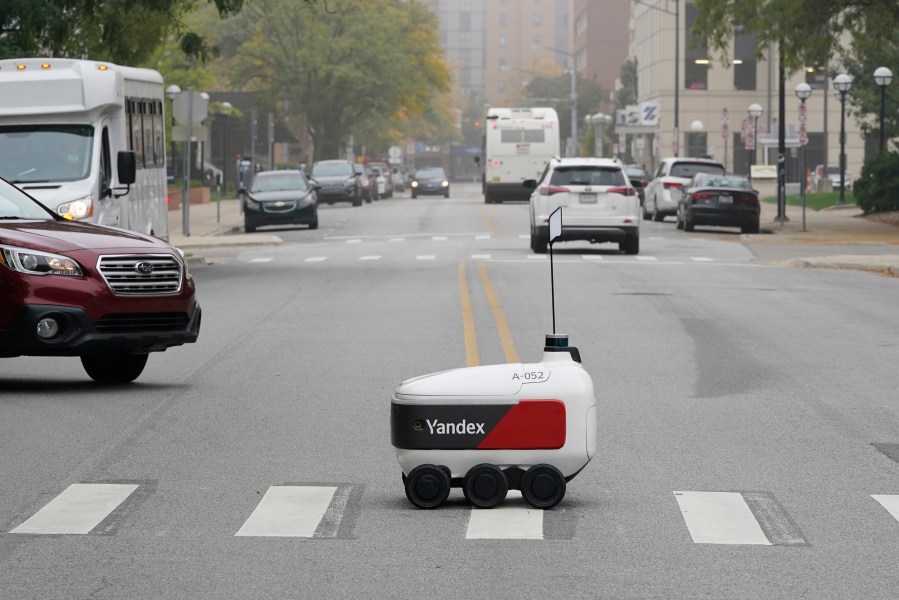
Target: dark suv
x,y
71,288
339,182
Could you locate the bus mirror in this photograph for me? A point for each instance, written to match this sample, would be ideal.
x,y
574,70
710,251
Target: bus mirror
x,y
529,183
127,167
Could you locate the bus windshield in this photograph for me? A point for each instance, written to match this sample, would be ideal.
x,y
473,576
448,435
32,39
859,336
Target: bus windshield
x,y
45,153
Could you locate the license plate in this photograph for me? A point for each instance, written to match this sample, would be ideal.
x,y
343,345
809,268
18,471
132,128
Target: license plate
x,y
725,200
588,198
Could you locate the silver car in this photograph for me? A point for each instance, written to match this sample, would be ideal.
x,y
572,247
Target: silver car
x,y
672,174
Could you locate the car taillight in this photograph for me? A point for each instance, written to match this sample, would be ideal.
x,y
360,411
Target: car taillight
x,y
672,184
645,182
624,191
702,196
552,189
747,199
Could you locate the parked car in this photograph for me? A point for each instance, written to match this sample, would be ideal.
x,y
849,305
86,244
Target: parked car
x,y
673,173
600,203
430,180
833,174
279,198
368,192
70,288
639,178
385,170
378,182
398,175
338,181
722,200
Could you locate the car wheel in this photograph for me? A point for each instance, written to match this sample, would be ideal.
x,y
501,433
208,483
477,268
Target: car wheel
x,y
688,222
357,201
656,215
446,194
680,223
753,228
646,215
488,199
539,242
114,368
248,228
313,224
631,245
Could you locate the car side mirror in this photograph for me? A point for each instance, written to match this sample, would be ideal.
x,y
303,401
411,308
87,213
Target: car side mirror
x,y
316,186
529,183
126,167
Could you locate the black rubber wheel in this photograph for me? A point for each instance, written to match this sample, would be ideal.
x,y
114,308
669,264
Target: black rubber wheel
x,y
248,228
414,195
754,228
631,245
427,486
688,223
538,243
485,485
114,368
446,195
656,215
357,201
543,486
314,223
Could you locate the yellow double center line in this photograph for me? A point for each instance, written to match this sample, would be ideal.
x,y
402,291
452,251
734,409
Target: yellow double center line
x,y
472,358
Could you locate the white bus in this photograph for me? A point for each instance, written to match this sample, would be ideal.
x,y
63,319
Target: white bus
x,y
517,146
66,124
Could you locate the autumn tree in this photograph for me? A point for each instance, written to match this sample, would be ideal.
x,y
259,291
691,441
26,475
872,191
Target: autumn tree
x,y
347,66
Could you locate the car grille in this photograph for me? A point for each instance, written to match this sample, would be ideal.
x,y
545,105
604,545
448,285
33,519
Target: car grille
x,y
272,207
131,276
137,322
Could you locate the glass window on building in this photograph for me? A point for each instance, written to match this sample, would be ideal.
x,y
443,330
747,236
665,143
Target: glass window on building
x,y
503,41
744,63
536,42
697,144
503,19
465,21
816,77
538,19
696,56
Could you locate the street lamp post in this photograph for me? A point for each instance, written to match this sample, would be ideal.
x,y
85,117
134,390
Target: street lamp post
x,y
803,91
755,111
696,127
883,77
574,132
170,92
842,83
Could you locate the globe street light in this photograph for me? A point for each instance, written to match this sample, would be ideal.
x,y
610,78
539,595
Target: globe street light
x,y
842,83
755,111
803,91
883,77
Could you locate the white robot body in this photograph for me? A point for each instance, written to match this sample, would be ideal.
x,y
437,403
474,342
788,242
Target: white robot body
x,y
492,428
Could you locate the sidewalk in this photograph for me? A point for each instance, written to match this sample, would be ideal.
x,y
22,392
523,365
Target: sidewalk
x,y
221,224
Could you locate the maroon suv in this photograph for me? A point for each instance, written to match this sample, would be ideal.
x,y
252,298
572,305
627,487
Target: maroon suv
x,y
75,289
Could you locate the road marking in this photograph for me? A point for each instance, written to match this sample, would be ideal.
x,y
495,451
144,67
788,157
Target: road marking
x,y
438,238
512,520
720,518
701,259
426,257
370,257
503,328
646,258
482,237
490,225
313,259
397,239
480,257
536,257
470,336
524,236
354,241
591,256
261,260
889,502
78,509
289,511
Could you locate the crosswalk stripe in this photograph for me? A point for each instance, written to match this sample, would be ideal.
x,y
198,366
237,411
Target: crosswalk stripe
x,y
720,518
426,257
701,259
889,502
397,239
439,238
647,258
511,520
289,511
480,256
591,256
370,257
313,259
261,260
78,509
536,257
524,236
482,237
354,241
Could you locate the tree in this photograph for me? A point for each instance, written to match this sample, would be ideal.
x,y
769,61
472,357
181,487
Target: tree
x,y
121,31
347,65
865,93
807,32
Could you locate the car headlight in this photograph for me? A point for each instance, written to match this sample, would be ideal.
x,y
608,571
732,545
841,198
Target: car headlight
x,y
349,183
253,204
444,183
77,209
413,184
34,262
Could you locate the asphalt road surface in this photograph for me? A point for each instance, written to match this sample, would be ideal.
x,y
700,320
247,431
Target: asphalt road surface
x,y
747,413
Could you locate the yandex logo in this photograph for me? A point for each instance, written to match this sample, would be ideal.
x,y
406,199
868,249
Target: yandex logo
x,y
460,428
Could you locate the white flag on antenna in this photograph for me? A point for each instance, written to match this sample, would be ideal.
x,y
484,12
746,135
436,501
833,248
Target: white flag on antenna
x,y
555,225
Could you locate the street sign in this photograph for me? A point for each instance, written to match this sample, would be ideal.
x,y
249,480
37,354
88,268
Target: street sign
x,y
803,134
190,106
725,124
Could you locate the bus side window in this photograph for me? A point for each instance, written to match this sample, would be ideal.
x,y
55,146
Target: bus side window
x,y
105,165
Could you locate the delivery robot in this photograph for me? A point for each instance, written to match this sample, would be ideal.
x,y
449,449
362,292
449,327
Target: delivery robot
x,y
489,429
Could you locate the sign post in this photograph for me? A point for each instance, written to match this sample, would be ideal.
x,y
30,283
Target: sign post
x,y
555,232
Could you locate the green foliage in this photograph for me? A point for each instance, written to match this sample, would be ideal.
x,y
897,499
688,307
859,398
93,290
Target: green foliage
x,y
126,32
627,93
341,67
808,32
864,96
877,189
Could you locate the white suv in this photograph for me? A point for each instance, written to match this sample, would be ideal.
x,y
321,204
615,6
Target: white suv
x,y
673,173
598,202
